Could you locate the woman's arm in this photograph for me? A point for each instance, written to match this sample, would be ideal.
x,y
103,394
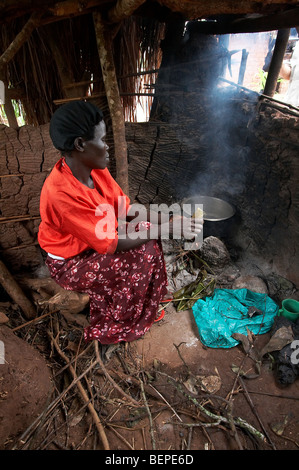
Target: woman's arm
x,y
135,239
178,227
140,213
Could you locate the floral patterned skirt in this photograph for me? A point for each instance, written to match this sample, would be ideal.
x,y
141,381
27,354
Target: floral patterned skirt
x,y
124,288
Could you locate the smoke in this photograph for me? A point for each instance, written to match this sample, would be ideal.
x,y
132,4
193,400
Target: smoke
x,y
221,112
210,116
221,148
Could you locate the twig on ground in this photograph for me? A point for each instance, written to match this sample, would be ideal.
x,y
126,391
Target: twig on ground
x,y
47,440
190,433
149,415
199,425
255,412
43,416
164,399
232,424
237,421
287,397
108,376
35,320
110,426
84,395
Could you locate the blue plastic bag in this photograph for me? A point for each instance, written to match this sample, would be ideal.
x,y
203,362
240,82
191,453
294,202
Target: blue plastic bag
x,y
228,312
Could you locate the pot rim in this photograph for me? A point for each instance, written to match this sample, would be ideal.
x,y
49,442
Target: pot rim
x,y
219,205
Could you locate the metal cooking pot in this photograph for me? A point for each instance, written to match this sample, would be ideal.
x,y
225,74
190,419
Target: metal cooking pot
x,y
215,209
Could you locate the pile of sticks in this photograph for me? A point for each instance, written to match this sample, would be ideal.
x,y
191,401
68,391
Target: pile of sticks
x,y
124,386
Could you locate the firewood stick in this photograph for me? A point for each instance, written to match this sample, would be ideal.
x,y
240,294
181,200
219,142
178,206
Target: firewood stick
x,y
84,395
15,292
35,319
14,217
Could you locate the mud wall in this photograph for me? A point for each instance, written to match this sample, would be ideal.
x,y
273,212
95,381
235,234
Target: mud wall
x,y
248,156
26,158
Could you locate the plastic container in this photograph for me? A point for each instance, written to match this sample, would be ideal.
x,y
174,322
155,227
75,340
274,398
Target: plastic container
x,y
290,309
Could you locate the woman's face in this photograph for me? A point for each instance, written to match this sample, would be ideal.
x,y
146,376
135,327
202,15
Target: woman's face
x,y
95,154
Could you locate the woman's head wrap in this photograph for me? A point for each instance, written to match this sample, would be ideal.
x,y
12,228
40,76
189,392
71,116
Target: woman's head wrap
x,y
72,120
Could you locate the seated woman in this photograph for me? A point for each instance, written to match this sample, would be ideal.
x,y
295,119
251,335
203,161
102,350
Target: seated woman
x,y
124,276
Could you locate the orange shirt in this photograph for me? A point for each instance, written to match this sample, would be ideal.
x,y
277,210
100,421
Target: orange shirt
x,y
75,217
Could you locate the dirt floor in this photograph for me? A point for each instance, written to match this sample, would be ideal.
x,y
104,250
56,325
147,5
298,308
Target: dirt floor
x,y
165,391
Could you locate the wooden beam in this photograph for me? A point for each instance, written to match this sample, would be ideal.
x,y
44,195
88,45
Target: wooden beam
x,y
19,40
273,22
105,50
54,11
123,9
73,7
281,20
194,9
15,8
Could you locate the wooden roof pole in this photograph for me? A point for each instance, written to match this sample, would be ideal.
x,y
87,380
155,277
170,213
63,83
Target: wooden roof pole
x,y
104,37
104,43
276,62
123,9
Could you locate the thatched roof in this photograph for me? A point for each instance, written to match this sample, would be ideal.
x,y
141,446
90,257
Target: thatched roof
x,y
57,55
61,49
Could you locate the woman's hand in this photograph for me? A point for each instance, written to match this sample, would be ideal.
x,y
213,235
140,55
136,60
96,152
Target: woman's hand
x,y
182,227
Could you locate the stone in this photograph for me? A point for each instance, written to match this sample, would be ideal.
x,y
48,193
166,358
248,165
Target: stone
x,y
214,252
253,283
